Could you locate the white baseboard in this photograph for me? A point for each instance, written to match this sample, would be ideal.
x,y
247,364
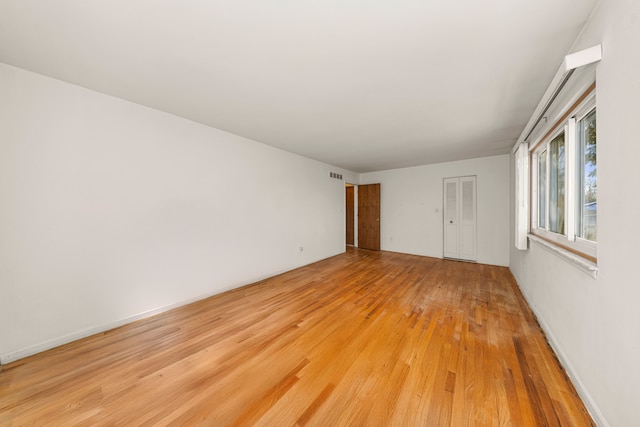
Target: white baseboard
x,y
589,402
12,356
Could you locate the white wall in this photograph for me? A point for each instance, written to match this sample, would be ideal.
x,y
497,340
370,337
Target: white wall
x,y
110,210
594,324
411,201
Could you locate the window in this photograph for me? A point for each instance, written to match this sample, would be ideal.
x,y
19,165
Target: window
x,y
555,208
564,172
542,189
587,218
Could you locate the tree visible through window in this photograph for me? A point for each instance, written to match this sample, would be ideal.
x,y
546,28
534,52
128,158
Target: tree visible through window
x,y
556,184
588,205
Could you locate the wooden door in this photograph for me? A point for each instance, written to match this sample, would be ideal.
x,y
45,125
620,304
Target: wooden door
x,y
350,209
460,218
369,216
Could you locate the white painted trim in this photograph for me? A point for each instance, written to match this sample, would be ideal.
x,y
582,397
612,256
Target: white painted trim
x,y
587,399
583,57
570,179
583,264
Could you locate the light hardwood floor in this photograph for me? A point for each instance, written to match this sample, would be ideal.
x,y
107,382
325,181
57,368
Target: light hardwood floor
x,y
361,339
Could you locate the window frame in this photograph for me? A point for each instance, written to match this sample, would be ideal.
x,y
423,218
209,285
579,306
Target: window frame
x,y
567,124
582,112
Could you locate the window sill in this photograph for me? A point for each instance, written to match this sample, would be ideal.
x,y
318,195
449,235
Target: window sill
x,y
583,264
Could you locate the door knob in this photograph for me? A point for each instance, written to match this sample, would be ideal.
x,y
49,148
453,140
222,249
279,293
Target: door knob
x,y
450,222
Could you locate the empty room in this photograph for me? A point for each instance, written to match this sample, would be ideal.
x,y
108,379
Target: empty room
x,y
338,213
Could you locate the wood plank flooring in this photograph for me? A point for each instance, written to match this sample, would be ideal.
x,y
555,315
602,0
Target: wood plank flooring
x,y
361,339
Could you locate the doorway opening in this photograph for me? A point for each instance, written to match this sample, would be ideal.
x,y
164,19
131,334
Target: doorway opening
x,y
362,216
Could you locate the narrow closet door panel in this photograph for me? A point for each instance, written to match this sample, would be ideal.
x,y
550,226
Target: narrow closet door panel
x,y
468,218
451,222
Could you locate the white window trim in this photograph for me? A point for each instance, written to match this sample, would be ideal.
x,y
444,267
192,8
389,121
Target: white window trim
x,y
568,126
570,179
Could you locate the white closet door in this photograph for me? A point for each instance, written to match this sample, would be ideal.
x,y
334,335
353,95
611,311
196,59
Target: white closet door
x,y
468,218
460,218
451,223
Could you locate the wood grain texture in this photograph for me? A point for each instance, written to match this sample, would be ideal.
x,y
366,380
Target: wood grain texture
x,y
350,215
365,338
369,216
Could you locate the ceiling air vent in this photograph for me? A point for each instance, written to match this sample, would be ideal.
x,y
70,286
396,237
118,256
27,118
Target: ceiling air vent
x,y
335,175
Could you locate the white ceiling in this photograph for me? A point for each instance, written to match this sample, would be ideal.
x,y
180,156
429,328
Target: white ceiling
x,y
362,84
